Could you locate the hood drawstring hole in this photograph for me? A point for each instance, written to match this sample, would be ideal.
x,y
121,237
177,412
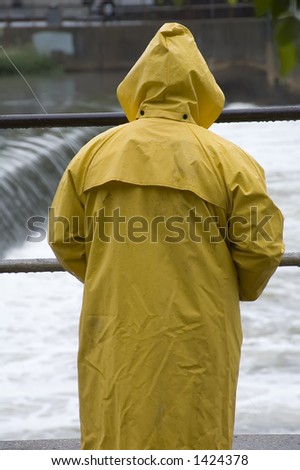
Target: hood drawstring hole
x,y
185,116
142,113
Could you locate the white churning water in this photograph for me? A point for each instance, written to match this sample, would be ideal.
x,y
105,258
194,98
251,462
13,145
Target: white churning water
x,y
40,312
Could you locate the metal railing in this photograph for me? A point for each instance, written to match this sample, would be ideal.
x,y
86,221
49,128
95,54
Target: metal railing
x,y
273,113
41,265
25,121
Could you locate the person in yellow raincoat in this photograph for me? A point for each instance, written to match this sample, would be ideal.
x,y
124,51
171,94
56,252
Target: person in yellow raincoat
x,y
169,226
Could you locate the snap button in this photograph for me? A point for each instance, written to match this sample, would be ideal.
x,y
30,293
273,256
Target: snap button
x,y
142,112
185,116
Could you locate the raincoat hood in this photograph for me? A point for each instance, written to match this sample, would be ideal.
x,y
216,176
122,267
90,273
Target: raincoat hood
x,y
171,79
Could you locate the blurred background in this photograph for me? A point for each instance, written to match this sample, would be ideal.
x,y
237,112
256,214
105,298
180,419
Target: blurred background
x,y
69,57
249,48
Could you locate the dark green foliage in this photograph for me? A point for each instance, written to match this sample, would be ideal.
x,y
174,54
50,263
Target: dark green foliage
x,y
262,6
26,59
279,7
286,29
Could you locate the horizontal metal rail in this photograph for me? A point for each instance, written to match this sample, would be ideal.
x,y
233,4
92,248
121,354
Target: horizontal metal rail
x,y
41,265
25,121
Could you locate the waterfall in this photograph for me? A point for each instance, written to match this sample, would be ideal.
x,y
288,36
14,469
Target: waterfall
x,y
31,165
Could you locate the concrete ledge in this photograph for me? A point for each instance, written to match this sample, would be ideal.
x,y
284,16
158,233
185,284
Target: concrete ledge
x,y
241,442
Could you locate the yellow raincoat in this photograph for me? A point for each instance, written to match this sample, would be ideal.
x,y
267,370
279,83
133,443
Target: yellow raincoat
x,y
169,226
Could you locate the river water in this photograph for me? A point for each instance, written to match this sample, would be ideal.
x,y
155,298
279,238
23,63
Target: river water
x,y
39,312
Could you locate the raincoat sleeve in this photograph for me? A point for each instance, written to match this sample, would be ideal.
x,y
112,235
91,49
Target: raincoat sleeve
x,y
255,231
66,227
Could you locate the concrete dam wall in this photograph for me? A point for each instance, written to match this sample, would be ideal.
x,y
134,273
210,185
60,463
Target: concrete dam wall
x,y
240,52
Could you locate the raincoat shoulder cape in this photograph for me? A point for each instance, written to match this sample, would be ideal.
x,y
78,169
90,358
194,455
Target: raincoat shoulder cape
x,y
169,226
